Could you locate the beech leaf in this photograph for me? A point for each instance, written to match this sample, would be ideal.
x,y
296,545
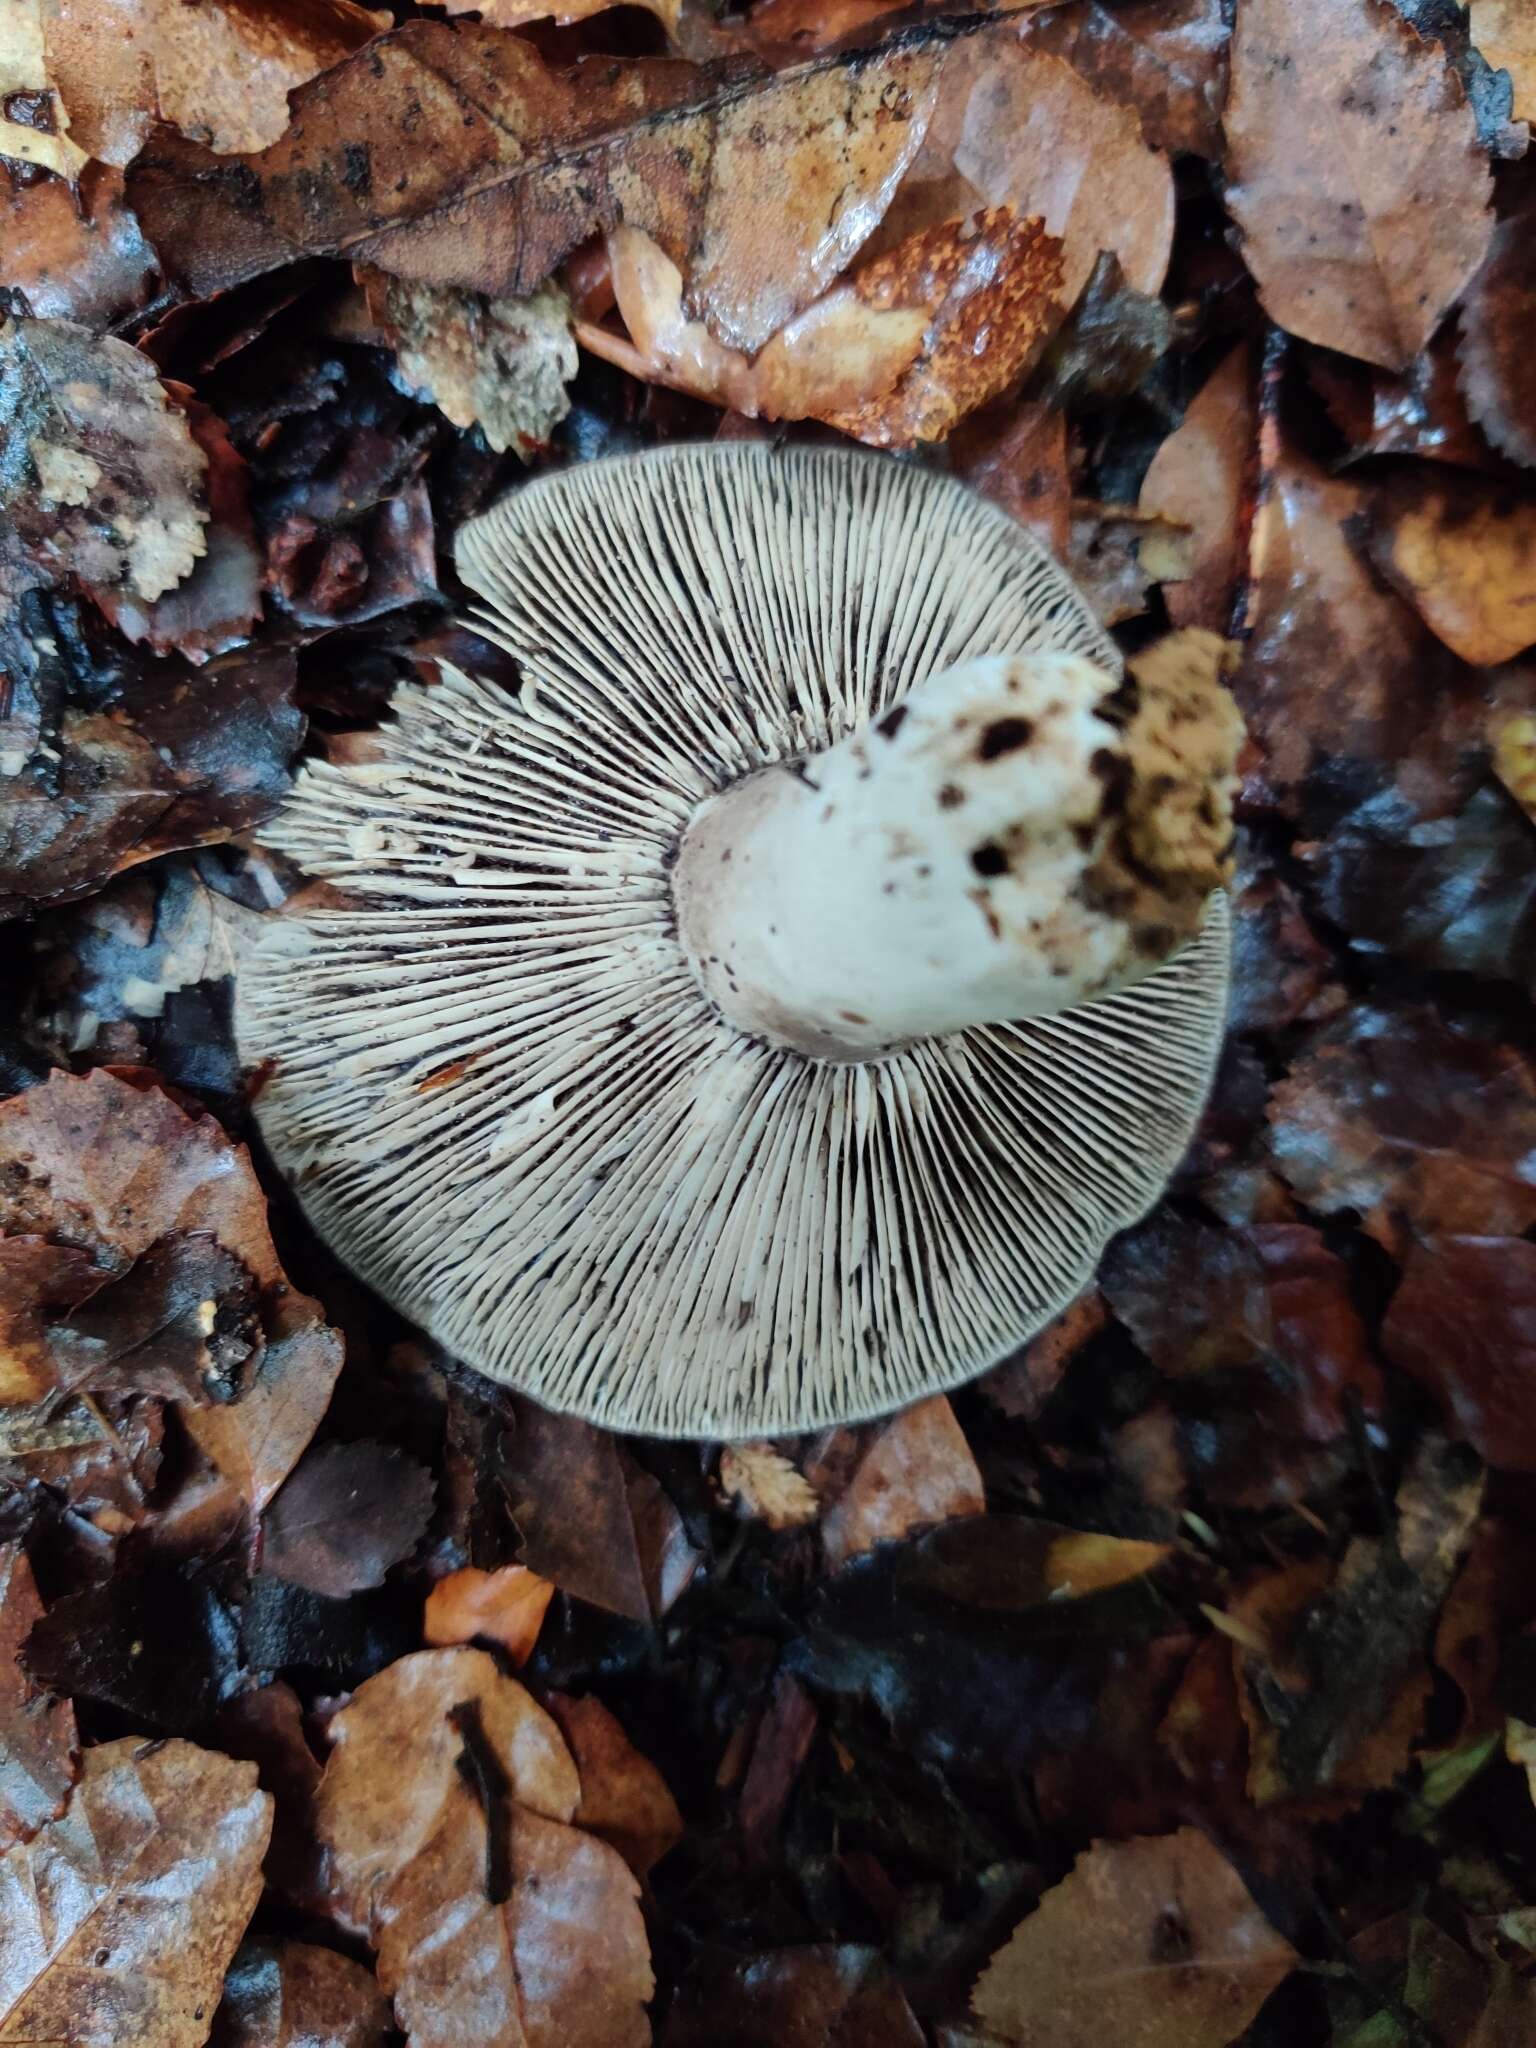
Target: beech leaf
x,y
289,1994
38,1741
1464,555
347,1514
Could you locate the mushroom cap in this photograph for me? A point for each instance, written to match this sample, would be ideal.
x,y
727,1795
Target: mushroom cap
x,y
494,1078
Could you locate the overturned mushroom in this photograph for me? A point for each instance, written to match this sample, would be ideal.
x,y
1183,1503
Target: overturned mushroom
x,y
765,1018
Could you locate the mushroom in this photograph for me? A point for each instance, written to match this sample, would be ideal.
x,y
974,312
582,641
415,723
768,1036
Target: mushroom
x,y
763,1018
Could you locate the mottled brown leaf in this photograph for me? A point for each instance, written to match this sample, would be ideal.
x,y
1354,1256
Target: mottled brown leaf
x,y
289,1994
1165,58
1199,481
917,1470
1355,174
1463,1323
39,1746
1155,1940
75,253
1498,365
624,1798
1463,553
117,1920
392,1772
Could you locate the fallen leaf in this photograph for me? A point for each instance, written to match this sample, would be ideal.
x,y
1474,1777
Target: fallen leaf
x,y
159,1643
1198,481
33,125
39,1744
569,1492
1355,174
1512,733
345,1517
507,1606
1154,1939
1033,135
117,1920
1498,368
917,1470
289,1994
1165,58
500,364
1464,555
1422,412
1408,1965
514,13
624,1798
266,1727
1505,32
392,1773
1009,1564
1117,553
75,252
1418,1125
1463,1323
780,1747
814,1995
104,479
767,1486
558,1960
1023,1384
1017,456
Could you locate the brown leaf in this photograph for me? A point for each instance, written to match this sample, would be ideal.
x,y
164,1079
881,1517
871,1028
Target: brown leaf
x,y
1505,32
780,1747
514,13
1354,173
811,1995
1031,134
148,1192
348,1514
1199,481
266,1727
1165,58
392,1773
1413,1123
121,1916
383,149
75,253
1022,1385
569,1490
561,1961
768,1486
918,1470
289,1994
1498,366
1154,1940
1422,412
1463,1323
1464,555
39,1745
624,1798
110,488
506,1606
1017,456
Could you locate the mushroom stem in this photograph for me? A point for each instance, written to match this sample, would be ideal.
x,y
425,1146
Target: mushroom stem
x,y
1019,834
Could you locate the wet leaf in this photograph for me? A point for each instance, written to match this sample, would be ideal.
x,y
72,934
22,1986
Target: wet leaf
x,y
1165,58
506,1606
1355,174
347,1514
392,1773
1463,1323
917,1470
39,1746
120,1918
1498,372
815,1995
160,1644
624,1798
289,1994
1199,480
1464,555
558,1960
75,253
1154,1939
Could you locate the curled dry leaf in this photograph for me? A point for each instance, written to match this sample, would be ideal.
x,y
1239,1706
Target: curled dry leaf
x,y
392,1775
1154,1940
348,1513
506,1606
1464,555
499,364
1198,481
624,1798
1498,365
74,253
917,1471
103,478
551,1953
39,1746
1355,174
289,1994
768,1486
117,1920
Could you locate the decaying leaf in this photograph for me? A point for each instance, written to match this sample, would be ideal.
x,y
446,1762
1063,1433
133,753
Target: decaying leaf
x,y
392,1772
1116,553
1355,174
1154,1940
102,476
39,1746
624,1798
1165,58
500,364
347,1514
1463,1323
118,1919
1016,455
917,1470
1464,555
74,252
1498,366
514,13
506,1606
768,1486
290,1994
1198,481
814,1994
33,123
549,1952
1505,32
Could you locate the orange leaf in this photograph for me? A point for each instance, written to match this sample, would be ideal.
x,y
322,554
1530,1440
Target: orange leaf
x,y
508,1606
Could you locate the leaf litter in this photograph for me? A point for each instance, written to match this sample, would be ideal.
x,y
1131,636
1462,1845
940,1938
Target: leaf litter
x,y
1177,1681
